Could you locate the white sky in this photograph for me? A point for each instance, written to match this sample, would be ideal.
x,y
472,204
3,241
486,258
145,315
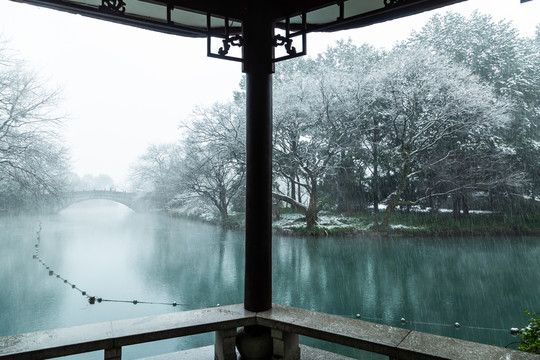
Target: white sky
x,y
125,88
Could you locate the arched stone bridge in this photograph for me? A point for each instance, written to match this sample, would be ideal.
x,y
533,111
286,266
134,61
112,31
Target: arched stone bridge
x,y
134,201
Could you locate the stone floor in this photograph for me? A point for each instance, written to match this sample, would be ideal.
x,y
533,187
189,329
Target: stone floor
x,y
207,353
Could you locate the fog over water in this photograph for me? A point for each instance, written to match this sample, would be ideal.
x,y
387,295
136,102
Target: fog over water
x,y
111,252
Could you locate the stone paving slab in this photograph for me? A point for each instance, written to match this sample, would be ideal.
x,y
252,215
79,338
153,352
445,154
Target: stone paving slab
x,y
207,353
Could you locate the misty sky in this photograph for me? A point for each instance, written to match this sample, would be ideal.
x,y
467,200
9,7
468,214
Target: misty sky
x,y
125,88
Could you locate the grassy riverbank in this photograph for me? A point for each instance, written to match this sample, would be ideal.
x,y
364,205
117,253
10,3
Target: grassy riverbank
x,y
403,224
415,224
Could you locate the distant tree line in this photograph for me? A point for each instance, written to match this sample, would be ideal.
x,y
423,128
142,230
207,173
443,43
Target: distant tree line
x,y
448,118
33,162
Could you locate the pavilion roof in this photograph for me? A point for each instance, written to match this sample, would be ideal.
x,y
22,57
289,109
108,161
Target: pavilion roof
x,y
190,17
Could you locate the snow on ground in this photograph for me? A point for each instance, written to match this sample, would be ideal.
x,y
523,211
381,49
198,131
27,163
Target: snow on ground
x,y
400,226
296,221
292,221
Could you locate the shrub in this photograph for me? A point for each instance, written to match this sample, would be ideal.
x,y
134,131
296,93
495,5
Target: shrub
x,y
530,335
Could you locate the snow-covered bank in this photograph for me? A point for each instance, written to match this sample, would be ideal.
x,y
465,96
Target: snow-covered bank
x,y
422,223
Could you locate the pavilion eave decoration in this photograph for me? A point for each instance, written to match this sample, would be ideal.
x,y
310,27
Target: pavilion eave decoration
x,y
221,21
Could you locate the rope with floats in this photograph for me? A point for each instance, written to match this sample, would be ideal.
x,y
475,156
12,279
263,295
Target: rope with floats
x,y
513,331
94,299
91,298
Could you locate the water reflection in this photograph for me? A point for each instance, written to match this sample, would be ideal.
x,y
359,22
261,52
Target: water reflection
x,y
476,282
111,252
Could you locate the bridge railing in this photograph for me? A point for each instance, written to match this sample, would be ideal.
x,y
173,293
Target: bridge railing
x,y
135,201
285,322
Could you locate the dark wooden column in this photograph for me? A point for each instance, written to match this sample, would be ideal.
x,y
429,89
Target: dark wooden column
x,y
258,66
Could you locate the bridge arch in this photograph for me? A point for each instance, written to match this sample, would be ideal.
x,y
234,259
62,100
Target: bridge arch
x,y
134,201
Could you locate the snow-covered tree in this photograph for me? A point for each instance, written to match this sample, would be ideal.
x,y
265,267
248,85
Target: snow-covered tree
x,y
425,101
214,155
311,128
357,164
33,162
159,171
494,51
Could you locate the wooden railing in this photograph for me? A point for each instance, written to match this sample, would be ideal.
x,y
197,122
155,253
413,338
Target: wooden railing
x,y
396,343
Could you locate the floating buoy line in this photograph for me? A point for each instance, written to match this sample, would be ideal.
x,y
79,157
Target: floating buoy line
x,y
513,331
94,299
91,298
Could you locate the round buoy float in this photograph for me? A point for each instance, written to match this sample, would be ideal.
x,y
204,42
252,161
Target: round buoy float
x,y
403,320
514,331
457,325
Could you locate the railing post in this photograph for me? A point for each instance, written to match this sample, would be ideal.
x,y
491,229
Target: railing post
x,y
113,353
225,346
285,345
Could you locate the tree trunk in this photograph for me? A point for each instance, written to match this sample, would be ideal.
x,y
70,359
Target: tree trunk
x,y
311,213
299,196
293,187
293,174
456,209
465,205
223,205
393,199
342,203
295,204
276,209
375,178
223,213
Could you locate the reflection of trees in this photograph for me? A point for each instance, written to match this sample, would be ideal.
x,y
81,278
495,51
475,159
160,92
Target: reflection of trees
x,y
195,264
430,280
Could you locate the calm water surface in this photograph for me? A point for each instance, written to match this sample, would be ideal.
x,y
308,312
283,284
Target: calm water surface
x,y
108,251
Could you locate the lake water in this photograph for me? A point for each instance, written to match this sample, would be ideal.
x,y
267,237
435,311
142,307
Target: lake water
x,y
108,251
